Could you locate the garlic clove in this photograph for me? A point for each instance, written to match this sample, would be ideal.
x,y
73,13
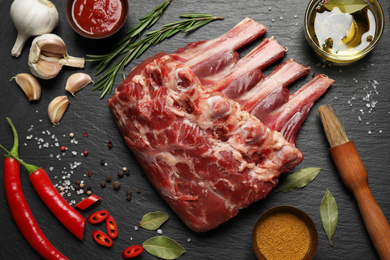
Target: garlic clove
x,y
76,82
29,84
45,69
57,108
51,47
50,51
49,44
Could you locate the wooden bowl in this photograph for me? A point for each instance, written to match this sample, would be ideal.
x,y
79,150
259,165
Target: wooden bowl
x,y
312,248
94,33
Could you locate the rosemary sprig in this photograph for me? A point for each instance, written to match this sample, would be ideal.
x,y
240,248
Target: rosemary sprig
x,y
134,49
144,23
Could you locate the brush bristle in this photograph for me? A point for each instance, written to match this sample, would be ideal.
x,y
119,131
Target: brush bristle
x,y
334,131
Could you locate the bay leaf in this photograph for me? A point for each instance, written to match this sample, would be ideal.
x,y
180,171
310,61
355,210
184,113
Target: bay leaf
x,y
329,214
163,247
299,179
153,220
346,6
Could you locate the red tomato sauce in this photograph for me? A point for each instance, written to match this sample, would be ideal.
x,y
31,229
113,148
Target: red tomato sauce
x,y
97,17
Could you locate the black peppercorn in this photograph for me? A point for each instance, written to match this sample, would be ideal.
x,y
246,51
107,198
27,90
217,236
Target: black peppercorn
x,y
108,179
117,185
102,184
128,195
120,174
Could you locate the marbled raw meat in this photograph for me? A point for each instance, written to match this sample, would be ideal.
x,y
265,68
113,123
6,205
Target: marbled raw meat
x,y
209,130
205,156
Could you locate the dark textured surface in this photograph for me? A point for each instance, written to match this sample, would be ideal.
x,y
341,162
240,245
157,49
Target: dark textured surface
x,y
349,96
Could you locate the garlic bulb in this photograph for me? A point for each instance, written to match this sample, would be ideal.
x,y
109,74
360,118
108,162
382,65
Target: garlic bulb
x,y
47,56
32,18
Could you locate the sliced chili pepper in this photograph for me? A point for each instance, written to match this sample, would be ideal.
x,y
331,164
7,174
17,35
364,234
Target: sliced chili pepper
x,y
19,208
102,238
97,217
65,213
85,203
132,251
112,227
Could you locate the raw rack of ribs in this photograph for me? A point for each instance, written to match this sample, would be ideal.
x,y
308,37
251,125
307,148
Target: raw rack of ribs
x,y
209,130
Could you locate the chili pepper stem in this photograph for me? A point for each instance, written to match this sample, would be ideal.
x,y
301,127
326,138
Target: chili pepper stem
x,y
15,148
14,151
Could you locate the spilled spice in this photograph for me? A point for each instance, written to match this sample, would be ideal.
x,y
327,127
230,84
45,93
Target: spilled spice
x,y
283,236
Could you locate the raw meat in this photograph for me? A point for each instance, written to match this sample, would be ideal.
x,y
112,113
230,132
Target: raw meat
x,y
197,55
191,119
204,155
243,81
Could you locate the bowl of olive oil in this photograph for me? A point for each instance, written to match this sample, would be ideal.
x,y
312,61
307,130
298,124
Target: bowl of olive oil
x,y
343,31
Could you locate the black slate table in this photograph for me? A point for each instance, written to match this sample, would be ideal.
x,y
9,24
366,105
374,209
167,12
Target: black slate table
x,y
360,96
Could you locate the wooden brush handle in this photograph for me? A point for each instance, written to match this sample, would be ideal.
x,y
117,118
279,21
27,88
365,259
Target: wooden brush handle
x,y
354,176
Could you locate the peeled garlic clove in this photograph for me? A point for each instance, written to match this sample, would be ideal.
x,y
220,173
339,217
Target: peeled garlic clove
x,y
76,82
29,84
57,108
47,56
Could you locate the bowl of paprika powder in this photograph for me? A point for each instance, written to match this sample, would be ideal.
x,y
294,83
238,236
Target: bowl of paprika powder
x,y
285,232
97,19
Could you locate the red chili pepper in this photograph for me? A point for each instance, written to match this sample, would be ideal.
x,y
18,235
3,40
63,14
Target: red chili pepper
x,y
19,208
132,251
102,238
85,203
65,213
112,227
97,217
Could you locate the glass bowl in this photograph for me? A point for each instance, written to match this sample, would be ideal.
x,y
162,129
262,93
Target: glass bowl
x,y
376,13
97,29
275,230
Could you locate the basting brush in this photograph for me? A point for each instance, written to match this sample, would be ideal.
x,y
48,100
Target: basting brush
x,y
354,176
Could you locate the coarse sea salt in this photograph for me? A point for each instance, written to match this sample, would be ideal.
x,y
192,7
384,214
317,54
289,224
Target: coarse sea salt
x,y
62,179
370,89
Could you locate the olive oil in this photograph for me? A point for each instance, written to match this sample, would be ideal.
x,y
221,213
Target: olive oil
x,y
342,33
